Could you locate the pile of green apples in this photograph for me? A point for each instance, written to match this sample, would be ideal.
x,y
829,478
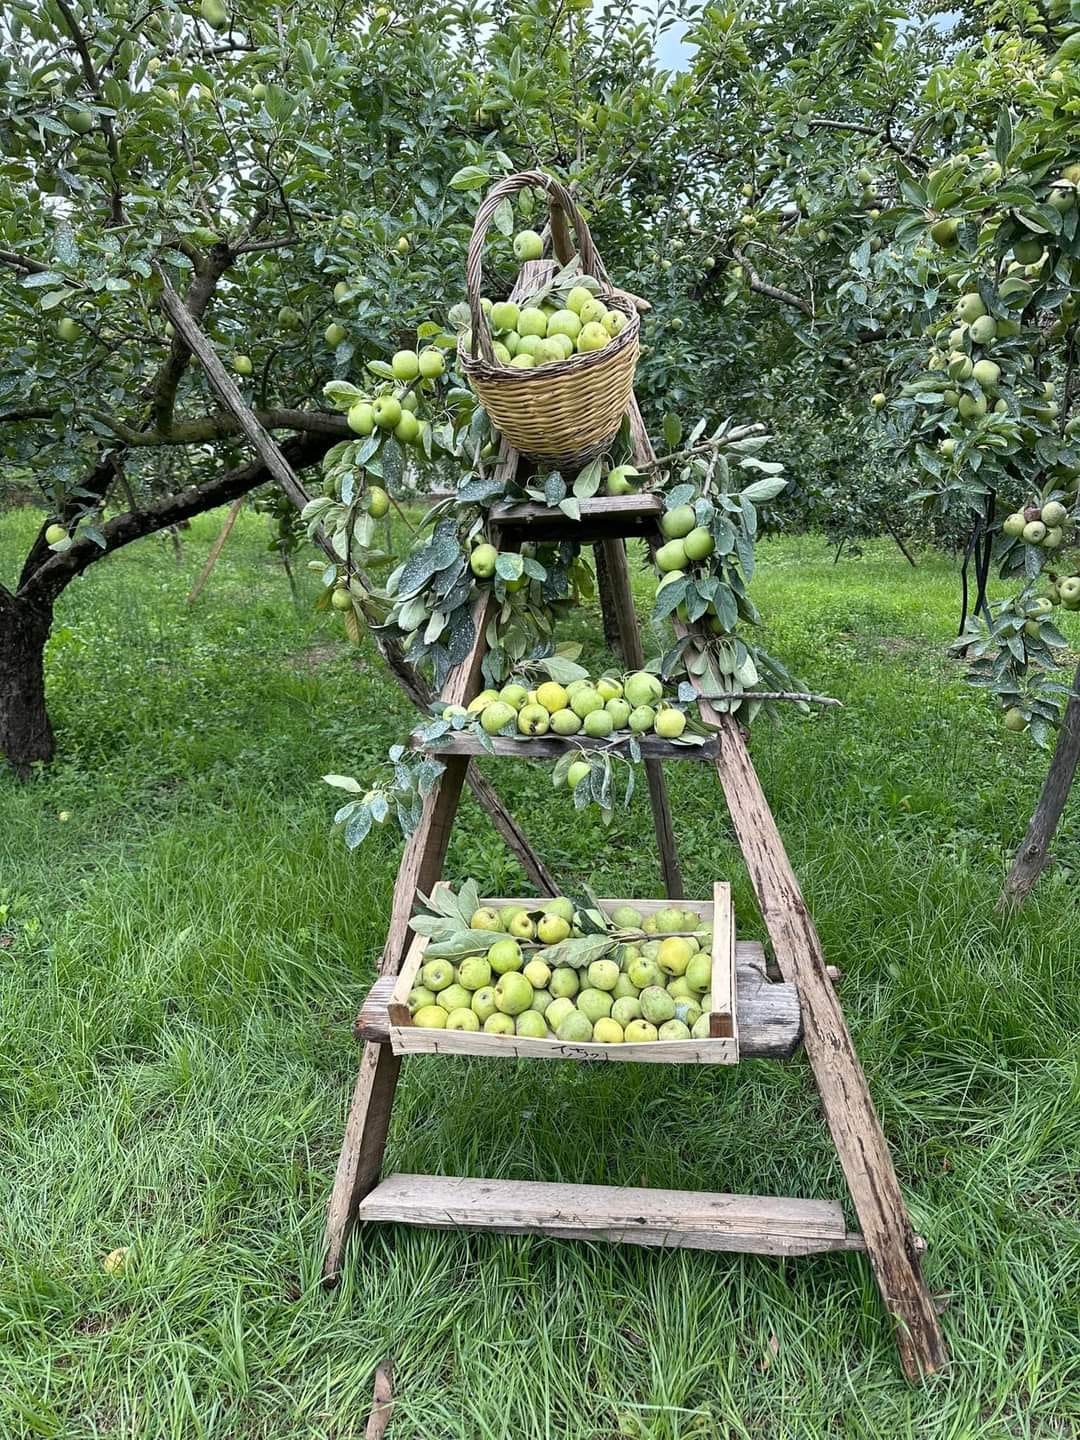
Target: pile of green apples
x,y
1042,525
653,986
536,335
394,408
599,708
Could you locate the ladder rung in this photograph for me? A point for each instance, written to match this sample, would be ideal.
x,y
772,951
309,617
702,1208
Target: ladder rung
x,y
674,1219
552,747
607,517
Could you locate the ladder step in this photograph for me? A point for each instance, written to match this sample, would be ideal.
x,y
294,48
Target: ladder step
x,y
606,517
553,747
768,1014
672,1219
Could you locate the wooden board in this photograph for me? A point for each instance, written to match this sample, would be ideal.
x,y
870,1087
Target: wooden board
x,y
672,1219
722,1019
553,747
606,517
409,1039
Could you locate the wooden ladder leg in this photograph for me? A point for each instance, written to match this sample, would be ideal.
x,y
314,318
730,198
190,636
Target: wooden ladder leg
x,y
361,1150
860,1142
618,573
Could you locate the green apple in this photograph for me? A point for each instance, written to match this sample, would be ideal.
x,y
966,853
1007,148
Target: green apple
x,y
405,364
431,1017
564,982
528,245
641,719
593,312
386,412
431,363
533,720
674,955
623,480
551,929
575,1029
625,1009
560,905
538,974
608,689
482,561
513,993
565,322
1015,720
474,972
983,330
699,544
699,971
624,986
593,337
557,1012
1054,514
419,997
504,315
626,917
1034,532
657,1006
504,956
483,1003
532,322
679,989
334,333
454,997
670,723
598,724
531,1024
607,1031
639,1032
463,1018
541,1000
565,722
499,1024
645,973
674,1029
671,556
67,329
514,695
676,524
407,428
242,364
485,919
583,702
700,1027
496,717
970,306
614,322
577,773
436,975
1013,525
688,1011
603,975
578,297
54,534
521,926
361,418
986,374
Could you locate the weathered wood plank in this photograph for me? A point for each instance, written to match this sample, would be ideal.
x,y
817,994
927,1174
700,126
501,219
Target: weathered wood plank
x,y
361,1150
411,1040
722,1020
845,1096
672,1219
553,747
606,517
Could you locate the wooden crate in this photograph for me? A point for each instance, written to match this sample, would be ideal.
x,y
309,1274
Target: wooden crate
x,y
721,1048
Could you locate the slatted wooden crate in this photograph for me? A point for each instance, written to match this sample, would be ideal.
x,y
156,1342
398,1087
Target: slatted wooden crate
x,y
721,1048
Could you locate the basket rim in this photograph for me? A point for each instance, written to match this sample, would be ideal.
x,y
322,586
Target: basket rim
x,y
477,368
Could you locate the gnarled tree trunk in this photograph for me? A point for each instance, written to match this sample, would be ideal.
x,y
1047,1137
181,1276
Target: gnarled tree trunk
x,y
1032,857
25,732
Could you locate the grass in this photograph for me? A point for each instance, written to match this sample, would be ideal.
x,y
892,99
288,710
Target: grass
x,y
182,959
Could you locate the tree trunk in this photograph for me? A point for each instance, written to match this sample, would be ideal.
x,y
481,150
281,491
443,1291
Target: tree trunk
x,y
25,733
1032,857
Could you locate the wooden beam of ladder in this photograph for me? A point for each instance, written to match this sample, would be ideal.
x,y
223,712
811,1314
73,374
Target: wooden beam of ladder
x,y
624,1215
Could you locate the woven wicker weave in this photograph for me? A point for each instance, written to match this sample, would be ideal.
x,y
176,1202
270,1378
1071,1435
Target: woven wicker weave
x,y
563,413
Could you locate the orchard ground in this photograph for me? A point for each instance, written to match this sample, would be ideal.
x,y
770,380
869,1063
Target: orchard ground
x,y
183,957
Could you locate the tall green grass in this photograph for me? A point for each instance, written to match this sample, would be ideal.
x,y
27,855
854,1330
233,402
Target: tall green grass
x,y
181,960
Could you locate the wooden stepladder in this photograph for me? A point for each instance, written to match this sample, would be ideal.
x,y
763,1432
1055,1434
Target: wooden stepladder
x,y
771,1018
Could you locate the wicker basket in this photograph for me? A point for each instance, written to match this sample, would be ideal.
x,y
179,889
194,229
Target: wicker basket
x,y
566,412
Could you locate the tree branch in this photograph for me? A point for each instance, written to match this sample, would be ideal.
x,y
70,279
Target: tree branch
x,y
22,262
215,427
48,579
199,294
774,292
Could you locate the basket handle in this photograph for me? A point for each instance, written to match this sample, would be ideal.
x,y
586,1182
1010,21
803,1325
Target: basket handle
x,y
562,207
